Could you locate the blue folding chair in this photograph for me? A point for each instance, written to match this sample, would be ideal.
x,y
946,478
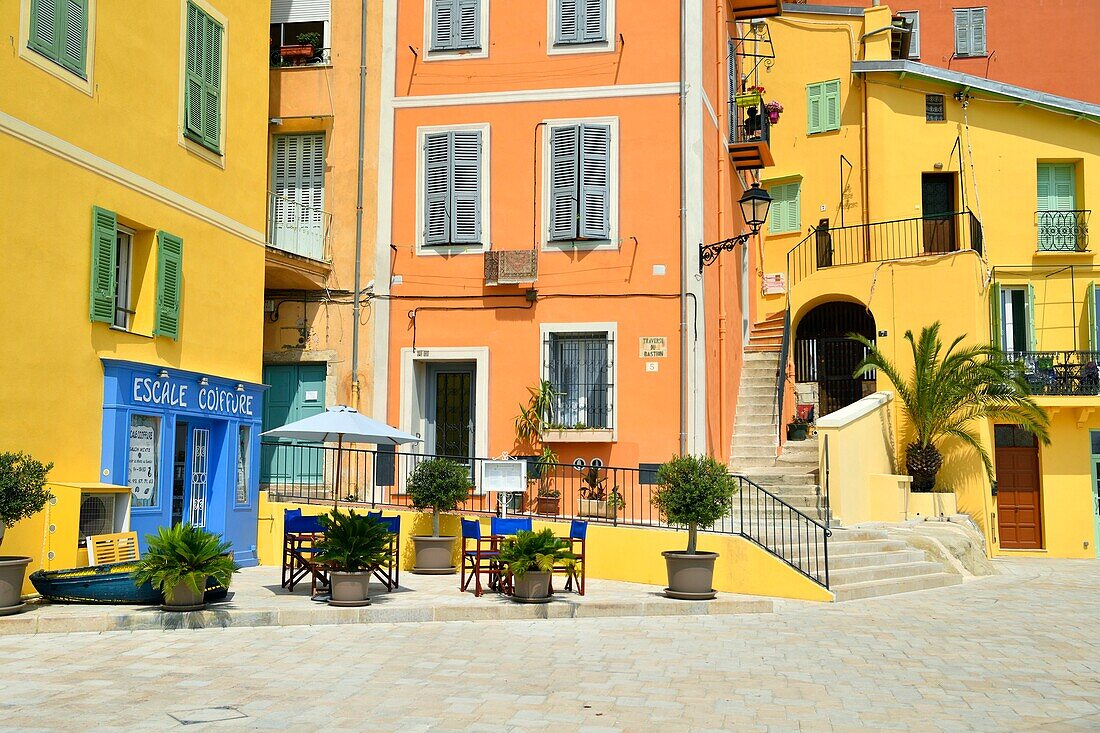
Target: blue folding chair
x,y
300,534
389,573
578,534
504,526
483,550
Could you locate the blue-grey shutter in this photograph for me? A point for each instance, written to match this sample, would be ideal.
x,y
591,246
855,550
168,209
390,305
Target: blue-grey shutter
x,y
564,191
568,25
443,24
594,28
469,24
104,233
977,31
466,186
437,187
962,32
595,206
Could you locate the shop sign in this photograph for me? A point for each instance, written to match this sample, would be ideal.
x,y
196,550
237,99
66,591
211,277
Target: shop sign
x,y
203,398
143,466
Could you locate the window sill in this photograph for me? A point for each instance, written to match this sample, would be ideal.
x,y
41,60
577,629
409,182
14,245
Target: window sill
x,y
456,54
564,49
571,245
447,250
585,435
119,329
1063,253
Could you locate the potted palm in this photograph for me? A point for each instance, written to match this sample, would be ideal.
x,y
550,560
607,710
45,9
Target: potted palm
x,y
693,491
23,493
178,563
353,545
531,557
947,392
441,485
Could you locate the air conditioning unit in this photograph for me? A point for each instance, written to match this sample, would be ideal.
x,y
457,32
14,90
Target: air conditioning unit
x,y
102,513
511,267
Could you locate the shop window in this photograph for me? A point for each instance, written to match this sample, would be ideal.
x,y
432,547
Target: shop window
x,y
143,471
244,463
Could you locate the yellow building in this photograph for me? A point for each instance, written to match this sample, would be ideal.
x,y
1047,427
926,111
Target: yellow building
x,y
906,194
135,165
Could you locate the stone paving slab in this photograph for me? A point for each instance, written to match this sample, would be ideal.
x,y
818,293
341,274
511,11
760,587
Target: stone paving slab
x,y
256,599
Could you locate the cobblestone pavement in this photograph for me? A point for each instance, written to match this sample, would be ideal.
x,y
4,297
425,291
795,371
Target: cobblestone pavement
x,y
1018,651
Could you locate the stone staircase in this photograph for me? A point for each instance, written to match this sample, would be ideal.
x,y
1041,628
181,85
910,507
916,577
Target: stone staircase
x,y
862,563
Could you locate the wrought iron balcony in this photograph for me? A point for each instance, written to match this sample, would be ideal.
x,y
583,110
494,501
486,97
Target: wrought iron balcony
x,y
298,229
1063,231
901,239
750,137
1058,372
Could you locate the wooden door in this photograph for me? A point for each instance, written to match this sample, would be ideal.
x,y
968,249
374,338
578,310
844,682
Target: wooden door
x,y
937,208
1019,494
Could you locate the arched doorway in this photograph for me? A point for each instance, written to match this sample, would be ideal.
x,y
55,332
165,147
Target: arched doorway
x,y
824,355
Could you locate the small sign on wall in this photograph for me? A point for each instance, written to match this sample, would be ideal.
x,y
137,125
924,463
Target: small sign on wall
x,y
774,283
653,347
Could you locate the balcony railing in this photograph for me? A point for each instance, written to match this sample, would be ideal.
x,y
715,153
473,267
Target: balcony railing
x,y
298,229
749,137
1063,231
316,57
884,241
1058,372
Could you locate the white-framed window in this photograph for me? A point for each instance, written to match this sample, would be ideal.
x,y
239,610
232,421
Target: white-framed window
x,y
580,173
1017,324
297,221
124,265
913,16
456,29
970,32
453,189
143,460
244,463
578,359
580,26
300,23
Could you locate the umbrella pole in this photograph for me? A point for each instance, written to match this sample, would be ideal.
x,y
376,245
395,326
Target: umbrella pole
x,y
336,487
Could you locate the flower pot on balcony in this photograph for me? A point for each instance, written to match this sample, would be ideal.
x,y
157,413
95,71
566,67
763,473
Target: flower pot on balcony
x,y
773,116
548,504
749,99
598,508
296,52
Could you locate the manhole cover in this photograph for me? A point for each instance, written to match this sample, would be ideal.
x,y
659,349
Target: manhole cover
x,y
207,715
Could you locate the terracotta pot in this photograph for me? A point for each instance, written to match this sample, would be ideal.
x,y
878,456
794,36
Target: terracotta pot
x,y
184,598
349,589
293,52
533,587
12,570
690,577
434,555
548,504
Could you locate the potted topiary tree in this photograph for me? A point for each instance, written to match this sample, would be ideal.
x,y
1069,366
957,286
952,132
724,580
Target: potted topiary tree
x,y
353,545
531,557
693,491
441,485
179,561
22,494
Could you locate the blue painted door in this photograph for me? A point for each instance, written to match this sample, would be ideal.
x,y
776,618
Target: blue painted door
x,y
296,391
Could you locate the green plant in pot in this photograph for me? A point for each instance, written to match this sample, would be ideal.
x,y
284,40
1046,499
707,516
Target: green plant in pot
x,y
693,491
179,561
595,500
441,485
798,429
23,494
353,545
531,558
548,498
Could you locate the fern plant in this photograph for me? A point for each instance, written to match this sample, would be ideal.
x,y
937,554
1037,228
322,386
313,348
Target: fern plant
x,y
353,543
185,554
536,552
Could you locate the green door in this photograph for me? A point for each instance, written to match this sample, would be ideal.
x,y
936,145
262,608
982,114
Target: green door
x,y
295,392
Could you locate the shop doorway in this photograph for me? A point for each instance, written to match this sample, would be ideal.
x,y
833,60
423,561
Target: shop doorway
x,y
451,409
295,392
1019,489
192,472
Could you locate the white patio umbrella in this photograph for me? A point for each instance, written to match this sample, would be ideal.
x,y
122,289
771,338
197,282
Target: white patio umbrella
x,y
338,424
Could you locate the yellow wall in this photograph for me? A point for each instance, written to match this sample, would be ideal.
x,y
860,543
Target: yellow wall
x,y
613,553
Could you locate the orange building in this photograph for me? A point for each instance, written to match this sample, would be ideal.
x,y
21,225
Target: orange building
x,y
1037,44
546,180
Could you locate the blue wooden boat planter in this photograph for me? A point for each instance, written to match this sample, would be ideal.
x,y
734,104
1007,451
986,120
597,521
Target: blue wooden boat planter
x,y
105,584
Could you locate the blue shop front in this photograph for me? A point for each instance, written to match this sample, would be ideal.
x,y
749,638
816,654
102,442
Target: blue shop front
x,y
188,446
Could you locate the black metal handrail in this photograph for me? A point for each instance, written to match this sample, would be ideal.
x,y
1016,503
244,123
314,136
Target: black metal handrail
x,y
900,239
1063,231
612,495
1058,372
781,376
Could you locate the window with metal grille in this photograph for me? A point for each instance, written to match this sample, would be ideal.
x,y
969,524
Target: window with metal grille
x,y
580,371
933,108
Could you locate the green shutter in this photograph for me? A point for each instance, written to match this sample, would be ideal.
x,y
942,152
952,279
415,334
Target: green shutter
x,y
1032,344
995,316
73,43
831,105
814,113
203,79
169,279
104,227
785,213
45,28
1090,305
192,98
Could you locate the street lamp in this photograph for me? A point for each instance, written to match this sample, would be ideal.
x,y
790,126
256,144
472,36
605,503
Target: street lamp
x,y
754,203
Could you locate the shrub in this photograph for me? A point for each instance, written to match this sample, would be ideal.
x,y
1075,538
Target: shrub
x,y
353,542
439,484
185,554
694,491
537,551
22,487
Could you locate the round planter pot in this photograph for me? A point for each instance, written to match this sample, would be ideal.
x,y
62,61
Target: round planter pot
x,y
690,577
349,589
533,587
184,598
12,570
434,555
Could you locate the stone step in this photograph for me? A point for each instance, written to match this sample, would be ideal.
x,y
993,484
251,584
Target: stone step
x,y
849,576
762,428
752,451
891,586
769,357
838,547
865,559
753,390
773,476
756,417
758,437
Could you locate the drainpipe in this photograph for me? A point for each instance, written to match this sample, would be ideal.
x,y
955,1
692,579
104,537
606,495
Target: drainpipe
x,y
683,236
359,205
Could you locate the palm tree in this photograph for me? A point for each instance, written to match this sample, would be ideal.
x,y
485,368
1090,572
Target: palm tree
x,y
948,391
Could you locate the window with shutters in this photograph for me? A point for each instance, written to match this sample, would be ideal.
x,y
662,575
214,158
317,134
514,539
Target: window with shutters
x,y
913,16
970,32
581,182
823,106
453,185
202,94
785,215
579,362
120,260
58,31
457,28
1061,228
578,25
297,221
